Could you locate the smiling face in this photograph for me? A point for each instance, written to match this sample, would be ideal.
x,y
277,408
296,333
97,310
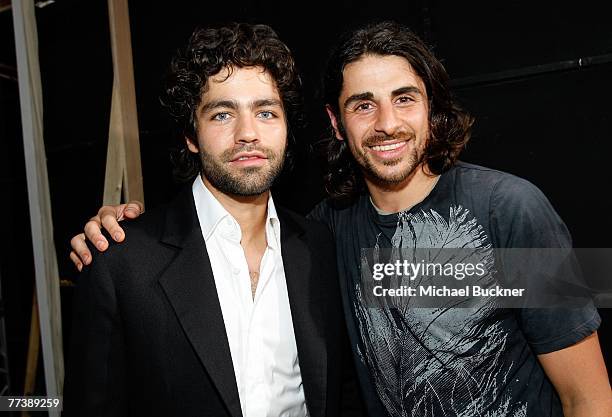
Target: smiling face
x,y
384,117
241,131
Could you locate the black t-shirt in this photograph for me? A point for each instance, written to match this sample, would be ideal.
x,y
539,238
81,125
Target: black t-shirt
x,y
463,362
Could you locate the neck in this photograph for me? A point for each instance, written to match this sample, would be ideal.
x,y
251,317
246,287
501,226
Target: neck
x,y
396,197
249,211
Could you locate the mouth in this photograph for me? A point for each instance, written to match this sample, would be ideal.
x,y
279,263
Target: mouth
x,y
245,159
388,147
391,149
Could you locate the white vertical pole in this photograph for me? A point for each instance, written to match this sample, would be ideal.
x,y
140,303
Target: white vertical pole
x,y
45,261
123,166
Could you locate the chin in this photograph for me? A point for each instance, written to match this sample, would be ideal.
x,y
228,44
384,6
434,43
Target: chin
x,y
394,176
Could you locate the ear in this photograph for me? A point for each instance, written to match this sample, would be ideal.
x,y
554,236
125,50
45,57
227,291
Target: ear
x,y
191,145
334,121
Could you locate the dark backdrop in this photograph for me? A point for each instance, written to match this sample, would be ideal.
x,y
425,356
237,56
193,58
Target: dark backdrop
x,y
539,115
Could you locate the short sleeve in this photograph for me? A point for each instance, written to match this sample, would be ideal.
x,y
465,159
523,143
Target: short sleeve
x,y
522,217
551,329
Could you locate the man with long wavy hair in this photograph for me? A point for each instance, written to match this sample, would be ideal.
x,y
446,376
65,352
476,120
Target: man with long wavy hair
x,y
395,182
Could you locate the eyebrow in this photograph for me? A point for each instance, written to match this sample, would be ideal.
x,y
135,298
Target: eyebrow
x,y
369,96
406,90
215,104
233,104
266,102
357,97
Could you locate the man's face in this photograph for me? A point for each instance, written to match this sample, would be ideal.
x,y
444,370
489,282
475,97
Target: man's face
x,y
384,112
241,132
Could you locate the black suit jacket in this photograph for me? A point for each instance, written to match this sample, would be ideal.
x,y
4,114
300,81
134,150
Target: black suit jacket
x,y
148,336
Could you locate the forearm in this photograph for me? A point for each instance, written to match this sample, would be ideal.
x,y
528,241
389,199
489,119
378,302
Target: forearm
x,y
591,407
579,375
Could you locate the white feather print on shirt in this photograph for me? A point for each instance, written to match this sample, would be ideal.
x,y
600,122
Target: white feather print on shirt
x,y
434,362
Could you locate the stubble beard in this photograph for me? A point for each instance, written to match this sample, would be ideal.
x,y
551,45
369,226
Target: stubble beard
x,y
244,182
373,171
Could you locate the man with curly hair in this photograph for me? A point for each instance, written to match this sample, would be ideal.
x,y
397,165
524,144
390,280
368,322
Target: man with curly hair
x,y
220,303
395,183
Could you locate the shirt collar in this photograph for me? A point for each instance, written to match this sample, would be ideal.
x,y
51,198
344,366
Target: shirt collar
x,y
211,213
272,225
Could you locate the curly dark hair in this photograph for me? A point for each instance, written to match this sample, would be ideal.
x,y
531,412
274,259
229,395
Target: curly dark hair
x,y
208,51
450,126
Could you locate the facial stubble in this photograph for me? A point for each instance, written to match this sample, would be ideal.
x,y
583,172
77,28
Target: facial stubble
x,y
245,182
371,169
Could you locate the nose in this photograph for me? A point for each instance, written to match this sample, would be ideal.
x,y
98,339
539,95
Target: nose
x,y
246,131
387,120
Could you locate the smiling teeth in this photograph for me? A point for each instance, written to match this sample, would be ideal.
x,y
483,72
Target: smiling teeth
x,y
387,147
243,158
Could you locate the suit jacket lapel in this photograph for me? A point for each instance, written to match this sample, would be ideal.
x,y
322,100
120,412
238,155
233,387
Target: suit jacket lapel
x,y
188,283
307,313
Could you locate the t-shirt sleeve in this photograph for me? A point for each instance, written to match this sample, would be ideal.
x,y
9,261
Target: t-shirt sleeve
x,y
551,329
522,217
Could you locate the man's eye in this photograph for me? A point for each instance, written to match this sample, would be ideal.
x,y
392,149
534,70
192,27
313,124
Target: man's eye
x,y
221,117
266,115
405,99
364,106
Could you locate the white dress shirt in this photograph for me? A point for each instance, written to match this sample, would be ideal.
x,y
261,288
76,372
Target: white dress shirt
x,y
260,330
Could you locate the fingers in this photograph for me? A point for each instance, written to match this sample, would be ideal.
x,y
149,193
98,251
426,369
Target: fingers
x,y
80,253
109,217
133,209
110,223
76,261
94,235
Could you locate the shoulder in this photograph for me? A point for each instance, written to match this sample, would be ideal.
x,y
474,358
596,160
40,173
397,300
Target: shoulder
x,y
148,225
312,227
520,214
146,228
477,173
316,235
504,188
335,214
133,264
321,212
141,236
309,240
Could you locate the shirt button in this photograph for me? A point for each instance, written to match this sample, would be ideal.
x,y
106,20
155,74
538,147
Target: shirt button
x,y
236,271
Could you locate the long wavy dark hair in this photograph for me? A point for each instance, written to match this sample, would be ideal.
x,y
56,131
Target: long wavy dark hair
x,y
449,125
208,51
